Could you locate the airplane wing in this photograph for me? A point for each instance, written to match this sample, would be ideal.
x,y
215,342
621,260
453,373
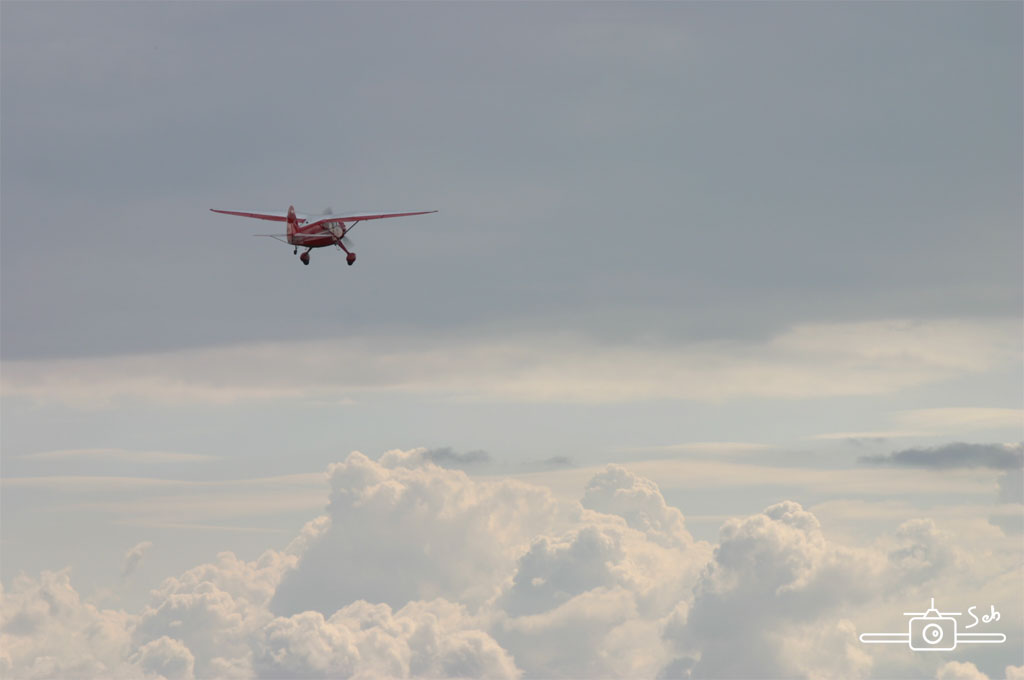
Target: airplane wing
x,y
352,218
275,216
343,217
361,216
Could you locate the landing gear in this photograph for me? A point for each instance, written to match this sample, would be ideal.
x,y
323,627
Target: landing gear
x,y
295,250
350,257
305,257
338,229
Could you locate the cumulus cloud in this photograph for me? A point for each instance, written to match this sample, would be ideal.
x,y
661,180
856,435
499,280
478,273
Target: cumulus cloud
x,y
960,670
638,500
166,658
775,577
589,603
957,670
403,529
415,570
423,639
46,630
923,551
779,590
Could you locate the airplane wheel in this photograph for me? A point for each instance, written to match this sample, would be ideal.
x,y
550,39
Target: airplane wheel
x,y
305,258
351,259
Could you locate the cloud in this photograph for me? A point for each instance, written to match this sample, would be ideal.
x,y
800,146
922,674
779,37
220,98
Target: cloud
x,y
779,590
201,505
617,491
869,437
589,602
123,455
217,609
961,420
46,630
961,670
436,639
934,422
804,361
133,558
1011,486
957,455
405,529
704,447
703,474
774,577
166,658
446,457
418,570
1006,458
957,670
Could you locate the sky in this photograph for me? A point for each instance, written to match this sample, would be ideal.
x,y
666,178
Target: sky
x,y
709,363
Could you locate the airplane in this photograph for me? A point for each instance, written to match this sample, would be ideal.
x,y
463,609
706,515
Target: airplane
x,y
318,231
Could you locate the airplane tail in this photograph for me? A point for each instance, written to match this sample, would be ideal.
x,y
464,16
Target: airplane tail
x,y
293,222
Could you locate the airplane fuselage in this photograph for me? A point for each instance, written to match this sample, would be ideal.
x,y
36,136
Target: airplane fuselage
x,y
316,235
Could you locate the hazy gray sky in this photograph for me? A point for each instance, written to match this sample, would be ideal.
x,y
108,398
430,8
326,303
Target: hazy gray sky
x,y
763,259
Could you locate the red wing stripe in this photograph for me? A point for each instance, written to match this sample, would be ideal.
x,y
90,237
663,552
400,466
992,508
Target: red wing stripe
x,y
259,216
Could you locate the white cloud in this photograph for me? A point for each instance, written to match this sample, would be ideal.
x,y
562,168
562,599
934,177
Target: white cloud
x,y
591,635
589,604
417,570
773,575
1015,672
811,360
46,631
422,639
166,658
402,529
775,600
216,609
958,670
617,491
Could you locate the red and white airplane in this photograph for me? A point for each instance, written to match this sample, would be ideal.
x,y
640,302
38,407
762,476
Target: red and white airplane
x,y
318,231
